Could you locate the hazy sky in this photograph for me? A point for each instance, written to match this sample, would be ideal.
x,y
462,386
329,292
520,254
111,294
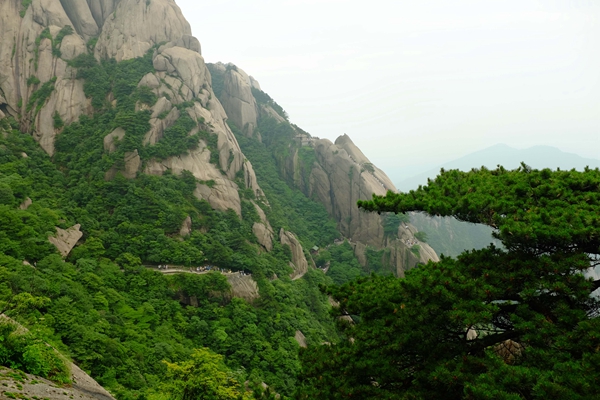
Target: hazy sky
x,y
419,82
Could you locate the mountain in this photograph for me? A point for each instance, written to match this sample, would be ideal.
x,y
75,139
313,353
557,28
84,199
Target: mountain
x,y
156,212
538,157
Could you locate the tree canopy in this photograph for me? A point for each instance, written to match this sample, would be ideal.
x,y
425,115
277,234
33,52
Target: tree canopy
x,y
512,323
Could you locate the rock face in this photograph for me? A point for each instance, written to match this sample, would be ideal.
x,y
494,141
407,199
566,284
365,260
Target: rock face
x,y
243,286
186,227
264,235
300,338
83,387
125,29
238,101
25,204
263,230
66,239
340,177
298,263
135,26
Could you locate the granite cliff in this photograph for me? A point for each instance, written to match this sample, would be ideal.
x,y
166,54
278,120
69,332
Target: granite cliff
x,y
335,174
38,85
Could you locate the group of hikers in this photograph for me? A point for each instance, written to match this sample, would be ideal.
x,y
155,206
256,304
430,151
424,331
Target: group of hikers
x,y
206,268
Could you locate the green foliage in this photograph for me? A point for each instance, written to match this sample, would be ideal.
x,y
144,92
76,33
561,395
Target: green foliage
x,y
27,352
391,223
444,330
289,208
91,44
344,266
368,167
106,306
45,34
203,376
264,99
25,5
108,75
58,121
39,97
416,250
218,80
421,236
378,261
308,158
65,31
6,195
145,95
531,210
176,140
33,80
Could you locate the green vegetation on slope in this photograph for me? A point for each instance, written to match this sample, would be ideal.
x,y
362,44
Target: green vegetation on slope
x,y
288,208
111,315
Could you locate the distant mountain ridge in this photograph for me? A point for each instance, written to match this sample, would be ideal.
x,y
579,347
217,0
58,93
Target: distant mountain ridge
x,y
501,154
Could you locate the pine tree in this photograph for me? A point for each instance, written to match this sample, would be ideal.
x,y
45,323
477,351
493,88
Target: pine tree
x,y
512,323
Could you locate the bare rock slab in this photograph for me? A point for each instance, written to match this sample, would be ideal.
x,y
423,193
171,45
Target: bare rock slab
x,y
65,239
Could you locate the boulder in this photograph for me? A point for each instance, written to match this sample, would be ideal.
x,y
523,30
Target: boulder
x,y
65,239
187,64
186,227
111,138
25,204
72,46
264,235
298,263
132,164
243,286
300,338
150,80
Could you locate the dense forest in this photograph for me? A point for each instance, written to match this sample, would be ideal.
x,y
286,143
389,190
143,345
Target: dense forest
x,y
106,307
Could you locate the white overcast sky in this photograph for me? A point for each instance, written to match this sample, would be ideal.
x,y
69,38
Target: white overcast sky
x,y
419,82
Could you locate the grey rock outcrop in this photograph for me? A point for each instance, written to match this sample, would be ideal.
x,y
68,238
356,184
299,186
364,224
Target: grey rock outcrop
x,y
124,37
238,101
298,263
25,204
300,338
222,192
66,239
264,235
186,227
243,286
263,230
111,139
340,177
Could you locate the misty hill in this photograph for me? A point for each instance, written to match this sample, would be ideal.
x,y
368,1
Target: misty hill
x,y
500,154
